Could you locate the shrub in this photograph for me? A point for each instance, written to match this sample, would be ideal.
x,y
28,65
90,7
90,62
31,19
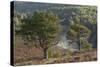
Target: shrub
x,y
55,54
87,46
49,53
68,54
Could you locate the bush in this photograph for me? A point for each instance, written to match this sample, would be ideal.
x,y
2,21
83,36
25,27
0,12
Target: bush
x,y
68,54
56,55
52,54
49,53
87,46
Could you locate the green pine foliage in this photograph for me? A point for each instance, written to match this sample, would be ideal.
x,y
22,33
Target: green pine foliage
x,y
77,31
43,28
89,13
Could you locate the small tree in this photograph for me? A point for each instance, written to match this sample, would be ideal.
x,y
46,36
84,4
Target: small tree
x,y
78,30
42,28
85,44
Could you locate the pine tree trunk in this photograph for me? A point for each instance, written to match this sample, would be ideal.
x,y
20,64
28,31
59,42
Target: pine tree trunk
x,y
79,45
45,54
78,42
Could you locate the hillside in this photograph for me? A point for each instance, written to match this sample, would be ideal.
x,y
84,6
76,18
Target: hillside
x,y
47,33
64,12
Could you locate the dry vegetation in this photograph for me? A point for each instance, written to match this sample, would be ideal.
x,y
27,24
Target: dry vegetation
x,y
24,55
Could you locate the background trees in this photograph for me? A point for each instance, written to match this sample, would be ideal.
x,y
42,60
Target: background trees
x,y
89,13
42,28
